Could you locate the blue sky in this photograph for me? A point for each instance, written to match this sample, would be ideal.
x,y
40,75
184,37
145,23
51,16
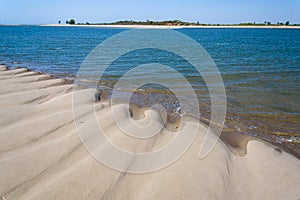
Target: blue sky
x,y
206,11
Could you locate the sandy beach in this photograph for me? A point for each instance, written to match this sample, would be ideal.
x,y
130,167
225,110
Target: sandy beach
x,y
171,27
42,156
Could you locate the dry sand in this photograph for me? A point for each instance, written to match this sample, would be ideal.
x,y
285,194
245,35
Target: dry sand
x,y
42,157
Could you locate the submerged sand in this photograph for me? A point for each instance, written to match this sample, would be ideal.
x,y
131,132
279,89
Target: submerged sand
x,y
42,157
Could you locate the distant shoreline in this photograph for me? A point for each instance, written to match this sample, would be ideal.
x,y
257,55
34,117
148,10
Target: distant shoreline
x,y
172,26
160,26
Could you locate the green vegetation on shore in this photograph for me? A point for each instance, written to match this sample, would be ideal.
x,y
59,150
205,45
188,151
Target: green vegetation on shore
x,y
72,21
182,23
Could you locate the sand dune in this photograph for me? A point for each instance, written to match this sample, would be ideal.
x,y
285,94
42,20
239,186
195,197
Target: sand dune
x,y
42,157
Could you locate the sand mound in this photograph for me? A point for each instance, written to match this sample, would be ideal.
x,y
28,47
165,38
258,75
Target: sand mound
x,y
42,157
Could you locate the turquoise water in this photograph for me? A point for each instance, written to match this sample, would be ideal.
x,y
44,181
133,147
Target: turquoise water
x,y
260,69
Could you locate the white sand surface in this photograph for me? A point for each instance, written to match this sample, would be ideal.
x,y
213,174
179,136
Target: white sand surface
x,y
42,157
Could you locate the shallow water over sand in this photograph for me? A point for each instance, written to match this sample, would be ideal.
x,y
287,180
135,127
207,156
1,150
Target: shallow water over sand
x,y
260,69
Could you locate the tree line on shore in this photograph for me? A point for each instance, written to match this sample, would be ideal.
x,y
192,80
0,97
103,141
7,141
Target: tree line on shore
x,y
181,23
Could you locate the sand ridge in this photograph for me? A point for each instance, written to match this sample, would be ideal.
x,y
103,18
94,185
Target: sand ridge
x,y
42,157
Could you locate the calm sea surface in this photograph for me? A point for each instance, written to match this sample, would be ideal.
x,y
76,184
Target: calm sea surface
x,y
260,69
